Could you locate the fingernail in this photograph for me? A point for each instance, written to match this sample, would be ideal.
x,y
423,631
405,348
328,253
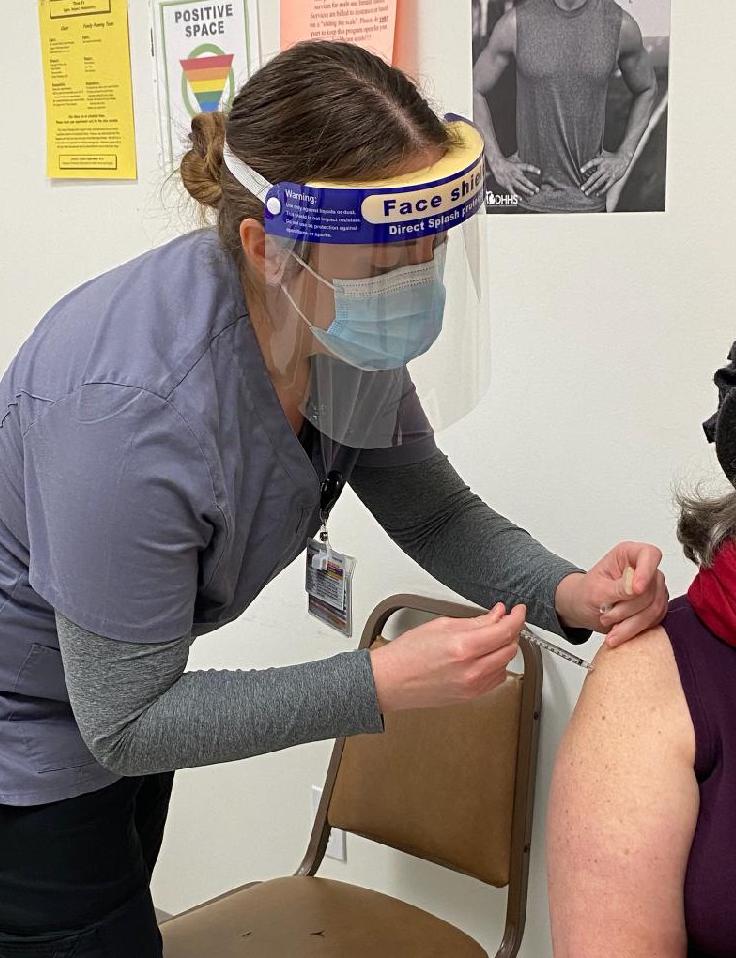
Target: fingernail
x,y
605,609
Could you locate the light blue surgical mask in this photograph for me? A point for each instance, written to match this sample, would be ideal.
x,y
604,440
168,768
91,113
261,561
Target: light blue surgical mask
x,y
385,321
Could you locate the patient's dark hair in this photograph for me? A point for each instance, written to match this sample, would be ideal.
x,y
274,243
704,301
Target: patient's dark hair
x,y
319,110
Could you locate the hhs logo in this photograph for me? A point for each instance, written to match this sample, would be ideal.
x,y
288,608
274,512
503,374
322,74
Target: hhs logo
x,y
501,199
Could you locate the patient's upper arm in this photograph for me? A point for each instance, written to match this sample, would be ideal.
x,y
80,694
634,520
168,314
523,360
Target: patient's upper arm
x,y
623,809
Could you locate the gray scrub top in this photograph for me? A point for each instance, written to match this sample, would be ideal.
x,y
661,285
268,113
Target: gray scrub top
x,y
150,486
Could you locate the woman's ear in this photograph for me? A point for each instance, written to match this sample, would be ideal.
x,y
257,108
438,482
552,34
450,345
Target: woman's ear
x,y
253,241
267,256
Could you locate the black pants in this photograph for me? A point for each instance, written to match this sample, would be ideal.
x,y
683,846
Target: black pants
x,y
75,874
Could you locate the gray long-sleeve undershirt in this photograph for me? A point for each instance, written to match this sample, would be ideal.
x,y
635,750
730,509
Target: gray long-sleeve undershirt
x,y
140,712
430,512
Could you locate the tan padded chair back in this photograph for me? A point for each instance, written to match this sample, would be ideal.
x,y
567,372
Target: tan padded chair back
x,y
438,784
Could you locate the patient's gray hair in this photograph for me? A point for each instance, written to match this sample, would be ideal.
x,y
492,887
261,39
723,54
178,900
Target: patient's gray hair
x,y
706,522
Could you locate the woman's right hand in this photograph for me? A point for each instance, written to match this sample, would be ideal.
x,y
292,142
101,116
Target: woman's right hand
x,y
447,661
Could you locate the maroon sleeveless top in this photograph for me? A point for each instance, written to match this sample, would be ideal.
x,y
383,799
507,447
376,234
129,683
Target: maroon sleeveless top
x,y
707,667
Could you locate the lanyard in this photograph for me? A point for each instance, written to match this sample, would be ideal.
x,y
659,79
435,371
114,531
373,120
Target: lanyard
x,y
329,493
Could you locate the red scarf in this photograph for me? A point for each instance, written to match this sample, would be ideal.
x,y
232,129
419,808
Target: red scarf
x,y
713,594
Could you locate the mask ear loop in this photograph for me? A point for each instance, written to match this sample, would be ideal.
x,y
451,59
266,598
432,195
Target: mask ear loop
x,y
316,275
313,271
291,299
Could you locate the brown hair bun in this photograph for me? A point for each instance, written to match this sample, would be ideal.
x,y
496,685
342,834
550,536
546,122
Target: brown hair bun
x,y
201,165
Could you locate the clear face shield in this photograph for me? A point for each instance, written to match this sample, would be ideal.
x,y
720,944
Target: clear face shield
x,y
373,290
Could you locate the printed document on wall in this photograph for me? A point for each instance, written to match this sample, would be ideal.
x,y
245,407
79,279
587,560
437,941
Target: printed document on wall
x,y
369,23
90,132
204,51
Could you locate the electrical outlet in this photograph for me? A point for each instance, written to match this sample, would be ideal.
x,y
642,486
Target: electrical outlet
x,y
336,847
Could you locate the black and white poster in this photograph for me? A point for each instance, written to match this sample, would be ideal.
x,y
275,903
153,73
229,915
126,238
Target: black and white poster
x,y
571,97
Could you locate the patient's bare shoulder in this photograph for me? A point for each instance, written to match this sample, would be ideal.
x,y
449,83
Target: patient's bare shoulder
x,y
623,808
638,683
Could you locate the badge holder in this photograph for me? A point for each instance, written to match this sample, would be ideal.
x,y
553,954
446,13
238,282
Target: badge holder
x,y
329,577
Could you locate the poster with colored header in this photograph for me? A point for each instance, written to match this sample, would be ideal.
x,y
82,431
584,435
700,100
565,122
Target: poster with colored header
x,y
90,131
204,51
369,23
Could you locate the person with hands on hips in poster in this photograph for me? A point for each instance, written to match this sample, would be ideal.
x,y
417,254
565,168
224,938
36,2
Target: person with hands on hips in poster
x,y
565,53
168,433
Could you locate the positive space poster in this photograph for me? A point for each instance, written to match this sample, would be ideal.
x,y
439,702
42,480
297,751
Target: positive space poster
x,y
204,51
571,97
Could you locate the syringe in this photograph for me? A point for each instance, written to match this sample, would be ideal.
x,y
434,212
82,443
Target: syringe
x,y
556,650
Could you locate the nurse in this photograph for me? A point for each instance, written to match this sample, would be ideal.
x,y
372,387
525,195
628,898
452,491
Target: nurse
x,y
175,431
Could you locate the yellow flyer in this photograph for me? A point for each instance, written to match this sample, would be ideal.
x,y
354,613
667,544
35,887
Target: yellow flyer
x,y
90,132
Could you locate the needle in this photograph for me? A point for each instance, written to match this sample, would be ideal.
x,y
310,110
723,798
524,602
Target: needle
x,y
555,650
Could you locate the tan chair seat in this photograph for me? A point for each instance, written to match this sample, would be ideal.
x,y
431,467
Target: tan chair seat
x,y
300,917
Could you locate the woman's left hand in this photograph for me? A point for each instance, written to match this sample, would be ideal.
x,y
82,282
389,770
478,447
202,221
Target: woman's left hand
x,y
581,597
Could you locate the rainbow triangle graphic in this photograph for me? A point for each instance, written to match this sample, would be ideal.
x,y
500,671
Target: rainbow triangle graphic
x,y
207,77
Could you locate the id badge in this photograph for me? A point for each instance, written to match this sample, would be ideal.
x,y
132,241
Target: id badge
x,y
329,583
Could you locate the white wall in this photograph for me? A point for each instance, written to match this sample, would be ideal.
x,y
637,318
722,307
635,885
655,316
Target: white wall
x,y
606,333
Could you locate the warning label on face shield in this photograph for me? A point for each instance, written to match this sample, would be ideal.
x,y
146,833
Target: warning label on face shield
x,y
374,216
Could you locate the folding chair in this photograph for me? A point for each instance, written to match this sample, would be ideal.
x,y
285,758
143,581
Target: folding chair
x,y
452,785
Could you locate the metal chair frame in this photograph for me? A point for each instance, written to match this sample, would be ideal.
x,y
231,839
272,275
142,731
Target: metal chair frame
x,y
526,764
